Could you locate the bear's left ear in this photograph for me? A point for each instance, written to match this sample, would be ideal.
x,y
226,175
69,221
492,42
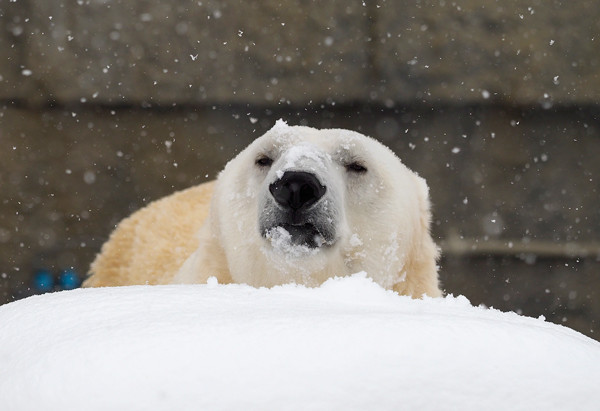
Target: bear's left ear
x,y
421,265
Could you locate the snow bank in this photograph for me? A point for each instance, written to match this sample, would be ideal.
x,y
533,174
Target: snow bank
x,y
346,345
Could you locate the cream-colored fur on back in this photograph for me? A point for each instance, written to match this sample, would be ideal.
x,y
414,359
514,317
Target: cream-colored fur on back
x,y
150,246
383,225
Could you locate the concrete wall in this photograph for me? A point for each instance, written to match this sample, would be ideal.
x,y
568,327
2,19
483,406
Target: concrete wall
x,y
108,105
388,52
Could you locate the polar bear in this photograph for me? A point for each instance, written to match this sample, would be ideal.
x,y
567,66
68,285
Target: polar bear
x,y
298,205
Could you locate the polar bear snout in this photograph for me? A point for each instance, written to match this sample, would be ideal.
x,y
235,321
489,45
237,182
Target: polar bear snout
x,y
297,190
298,212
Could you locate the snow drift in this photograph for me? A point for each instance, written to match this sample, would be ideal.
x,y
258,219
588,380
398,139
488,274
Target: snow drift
x,y
348,344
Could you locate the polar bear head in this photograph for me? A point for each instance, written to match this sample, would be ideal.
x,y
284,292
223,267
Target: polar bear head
x,y
303,205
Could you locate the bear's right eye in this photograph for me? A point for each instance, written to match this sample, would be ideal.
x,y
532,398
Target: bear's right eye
x,y
264,161
356,167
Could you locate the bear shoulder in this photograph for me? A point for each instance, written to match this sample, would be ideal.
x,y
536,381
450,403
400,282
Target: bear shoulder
x,y
149,246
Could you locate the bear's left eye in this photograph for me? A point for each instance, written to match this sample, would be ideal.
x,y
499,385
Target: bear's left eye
x,y
356,167
264,161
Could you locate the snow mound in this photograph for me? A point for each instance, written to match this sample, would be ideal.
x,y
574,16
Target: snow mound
x,y
348,344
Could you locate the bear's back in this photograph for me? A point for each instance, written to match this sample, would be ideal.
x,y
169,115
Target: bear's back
x,y
150,246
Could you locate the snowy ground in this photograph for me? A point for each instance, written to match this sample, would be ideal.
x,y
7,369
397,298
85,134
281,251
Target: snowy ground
x,y
346,345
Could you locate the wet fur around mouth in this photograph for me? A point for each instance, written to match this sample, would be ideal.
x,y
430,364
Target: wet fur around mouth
x,y
301,234
315,228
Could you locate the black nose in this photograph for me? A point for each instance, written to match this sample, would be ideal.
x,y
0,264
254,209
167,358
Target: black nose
x,y
297,190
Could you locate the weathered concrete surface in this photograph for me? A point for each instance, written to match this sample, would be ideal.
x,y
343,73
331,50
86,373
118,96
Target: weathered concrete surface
x,y
15,83
515,52
517,175
185,51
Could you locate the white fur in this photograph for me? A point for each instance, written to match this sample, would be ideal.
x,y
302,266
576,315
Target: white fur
x,y
381,216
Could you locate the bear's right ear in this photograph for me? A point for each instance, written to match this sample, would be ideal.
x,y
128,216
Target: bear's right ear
x,y
421,265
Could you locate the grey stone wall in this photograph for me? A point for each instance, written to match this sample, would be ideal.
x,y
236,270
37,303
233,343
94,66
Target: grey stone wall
x,y
389,52
512,52
107,105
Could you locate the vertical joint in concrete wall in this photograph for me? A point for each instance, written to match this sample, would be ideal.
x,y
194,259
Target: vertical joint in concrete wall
x,y
373,69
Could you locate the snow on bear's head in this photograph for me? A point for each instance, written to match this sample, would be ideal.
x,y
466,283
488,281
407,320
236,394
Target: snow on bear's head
x,y
303,205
